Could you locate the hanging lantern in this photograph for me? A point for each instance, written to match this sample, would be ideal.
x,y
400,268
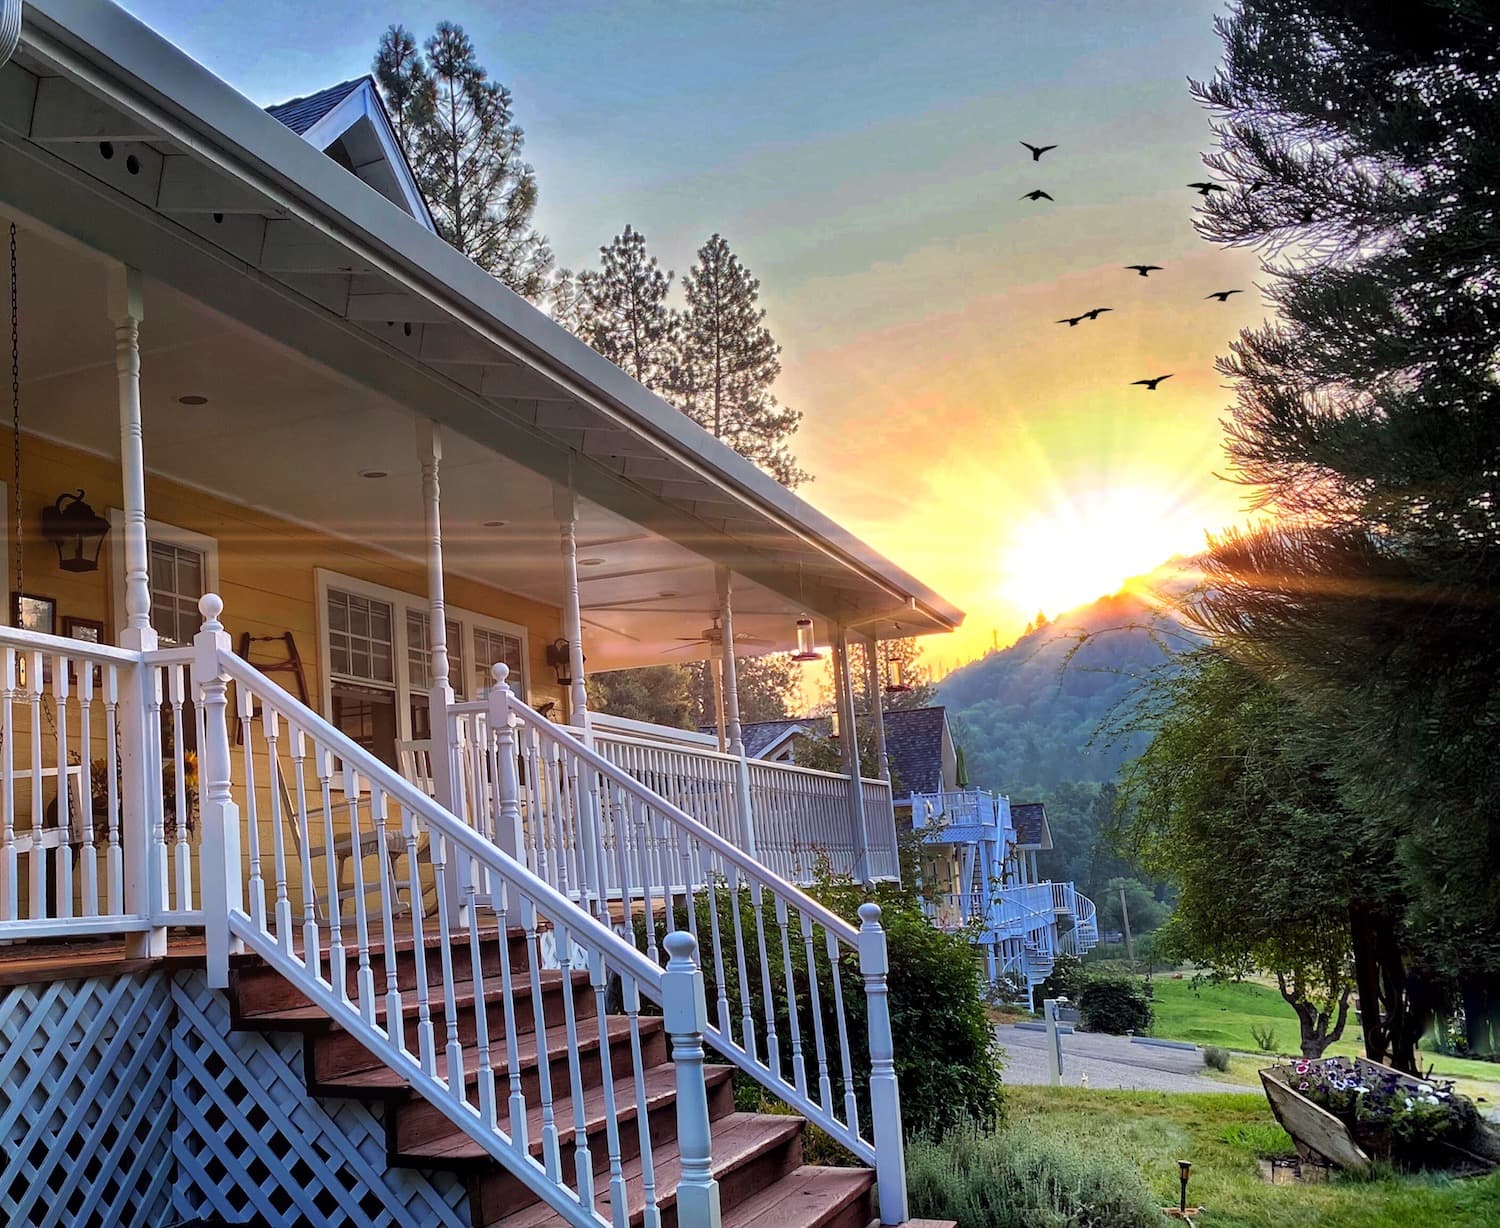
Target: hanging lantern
x,y
806,649
560,658
71,525
895,677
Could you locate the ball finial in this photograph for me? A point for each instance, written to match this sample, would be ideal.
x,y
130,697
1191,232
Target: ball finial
x,y
869,913
211,605
681,945
500,671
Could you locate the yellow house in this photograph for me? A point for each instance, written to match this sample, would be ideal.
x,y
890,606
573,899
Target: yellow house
x,y
304,695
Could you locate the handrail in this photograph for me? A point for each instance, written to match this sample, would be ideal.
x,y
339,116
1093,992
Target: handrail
x,y
395,786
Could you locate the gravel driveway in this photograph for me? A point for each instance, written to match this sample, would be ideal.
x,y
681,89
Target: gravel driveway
x,y
1109,1062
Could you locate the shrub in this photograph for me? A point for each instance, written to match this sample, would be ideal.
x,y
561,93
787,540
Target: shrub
x,y
1116,1005
1216,1058
1017,1178
1264,1037
1066,980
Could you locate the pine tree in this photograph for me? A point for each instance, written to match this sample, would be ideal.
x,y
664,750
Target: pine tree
x,y
1360,143
465,149
568,301
629,321
729,363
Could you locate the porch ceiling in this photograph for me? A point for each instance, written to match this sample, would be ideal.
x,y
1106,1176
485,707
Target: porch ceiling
x,y
336,317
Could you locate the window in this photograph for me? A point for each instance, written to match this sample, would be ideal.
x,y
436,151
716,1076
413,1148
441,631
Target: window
x,y
180,567
376,658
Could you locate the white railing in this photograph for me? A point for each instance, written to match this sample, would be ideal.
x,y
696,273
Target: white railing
x,y
1084,936
512,947
959,808
775,960
98,789
1062,896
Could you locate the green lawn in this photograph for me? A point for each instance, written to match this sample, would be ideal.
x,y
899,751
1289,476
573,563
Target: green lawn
x,y
1222,1135
1223,1014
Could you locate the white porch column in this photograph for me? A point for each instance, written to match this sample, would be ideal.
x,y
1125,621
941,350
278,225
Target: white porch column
x,y
849,752
876,687
142,835
578,695
730,727
440,692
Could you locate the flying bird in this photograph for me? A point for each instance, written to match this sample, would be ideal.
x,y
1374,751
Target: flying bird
x,y
1070,321
1205,188
1145,270
1150,383
1096,313
1038,194
1037,150
1222,295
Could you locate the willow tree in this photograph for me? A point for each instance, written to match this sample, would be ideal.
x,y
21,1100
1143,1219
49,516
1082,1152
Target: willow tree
x,y
1359,144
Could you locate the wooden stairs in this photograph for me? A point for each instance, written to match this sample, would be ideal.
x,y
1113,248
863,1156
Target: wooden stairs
x,y
757,1157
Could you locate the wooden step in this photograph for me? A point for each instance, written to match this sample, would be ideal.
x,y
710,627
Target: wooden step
x,y
751,1151
810,1197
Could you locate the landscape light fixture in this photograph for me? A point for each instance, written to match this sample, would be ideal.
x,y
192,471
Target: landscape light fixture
x,y
1184,1170
560,658
806,649
71,525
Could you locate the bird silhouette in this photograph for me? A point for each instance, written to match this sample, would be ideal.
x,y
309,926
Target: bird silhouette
x,y
1145,270
1222,295
1038,194
1205,188
1037,150
1070,321
1096,313
1150,383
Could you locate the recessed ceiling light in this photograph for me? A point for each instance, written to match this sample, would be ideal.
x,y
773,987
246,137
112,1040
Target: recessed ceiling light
x,y
590,562
374,473
192,399
494,524
667,592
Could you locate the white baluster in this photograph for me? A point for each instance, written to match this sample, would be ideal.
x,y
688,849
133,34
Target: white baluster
x,y
184,881
885,1094
38,848
64,870
114,856
222,895
508,833
685,1016
90,865
10,888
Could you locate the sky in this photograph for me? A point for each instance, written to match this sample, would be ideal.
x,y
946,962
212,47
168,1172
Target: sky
x,y
863,160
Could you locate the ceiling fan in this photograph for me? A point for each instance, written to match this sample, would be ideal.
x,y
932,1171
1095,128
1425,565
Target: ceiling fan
x,y
713,637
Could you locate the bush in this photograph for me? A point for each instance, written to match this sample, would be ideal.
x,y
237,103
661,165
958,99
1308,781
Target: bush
x,y
1116,1005
1018,1178
1066,980
1216,1058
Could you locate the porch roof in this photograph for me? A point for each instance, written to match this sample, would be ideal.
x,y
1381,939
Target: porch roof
x,y
208,194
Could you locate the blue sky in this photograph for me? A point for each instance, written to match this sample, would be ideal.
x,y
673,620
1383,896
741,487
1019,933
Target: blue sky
x,y
862,158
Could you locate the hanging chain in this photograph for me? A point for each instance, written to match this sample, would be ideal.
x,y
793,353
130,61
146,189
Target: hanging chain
x,y
15,406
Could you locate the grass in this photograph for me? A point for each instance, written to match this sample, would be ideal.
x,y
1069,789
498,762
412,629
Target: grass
x,y
1224,1014
1223,1135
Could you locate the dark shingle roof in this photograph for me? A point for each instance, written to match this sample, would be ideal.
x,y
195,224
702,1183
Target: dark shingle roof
x,y
760,736
1030,822
300,114
914,742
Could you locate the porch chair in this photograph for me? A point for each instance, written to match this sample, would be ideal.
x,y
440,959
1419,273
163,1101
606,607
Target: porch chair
x,y
343,853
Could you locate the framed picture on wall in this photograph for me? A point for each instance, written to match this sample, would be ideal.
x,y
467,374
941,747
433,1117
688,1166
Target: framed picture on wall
x,y
89,630
32,613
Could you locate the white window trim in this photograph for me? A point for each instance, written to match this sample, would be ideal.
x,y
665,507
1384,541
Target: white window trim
x,y
168,535
399,600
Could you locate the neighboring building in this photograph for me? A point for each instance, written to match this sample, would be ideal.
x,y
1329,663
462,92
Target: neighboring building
x,y
360,515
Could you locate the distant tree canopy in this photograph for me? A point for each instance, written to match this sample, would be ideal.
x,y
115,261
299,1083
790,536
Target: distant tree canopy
x,y
459,133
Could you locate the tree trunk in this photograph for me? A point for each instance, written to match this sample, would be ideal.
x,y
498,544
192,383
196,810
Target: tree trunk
x,y
1362,932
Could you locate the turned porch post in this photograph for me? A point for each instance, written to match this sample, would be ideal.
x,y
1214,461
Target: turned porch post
x,y
142,831
440,693
849,752
578,696
876,687
731,731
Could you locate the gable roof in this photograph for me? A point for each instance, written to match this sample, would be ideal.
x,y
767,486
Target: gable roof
x,y
300,114
349,122
914,742
1030,822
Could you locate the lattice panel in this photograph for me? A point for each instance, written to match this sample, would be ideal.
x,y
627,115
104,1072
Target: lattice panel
x,y
85,1102
253,1144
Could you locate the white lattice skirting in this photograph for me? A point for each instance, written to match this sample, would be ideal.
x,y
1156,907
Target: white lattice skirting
x,y
128,1101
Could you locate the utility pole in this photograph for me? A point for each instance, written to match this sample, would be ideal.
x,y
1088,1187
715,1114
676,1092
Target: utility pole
x,y
1125,919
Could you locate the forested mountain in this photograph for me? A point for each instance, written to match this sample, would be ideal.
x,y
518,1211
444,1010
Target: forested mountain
x,y
1030,720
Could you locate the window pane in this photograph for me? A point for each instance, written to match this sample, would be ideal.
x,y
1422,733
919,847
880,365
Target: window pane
x,y
359,637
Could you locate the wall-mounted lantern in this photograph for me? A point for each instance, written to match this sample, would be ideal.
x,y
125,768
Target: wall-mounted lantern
x,y
560,658
807,650
71,525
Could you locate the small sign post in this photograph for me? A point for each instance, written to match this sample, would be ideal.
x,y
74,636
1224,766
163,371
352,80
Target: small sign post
x,y
1054,1043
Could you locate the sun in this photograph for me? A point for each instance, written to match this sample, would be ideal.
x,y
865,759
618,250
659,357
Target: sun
x,y
1088,545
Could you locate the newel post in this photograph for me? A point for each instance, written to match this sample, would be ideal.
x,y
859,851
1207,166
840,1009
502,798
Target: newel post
x,y
220,862
885,1094
685,1015
508,833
